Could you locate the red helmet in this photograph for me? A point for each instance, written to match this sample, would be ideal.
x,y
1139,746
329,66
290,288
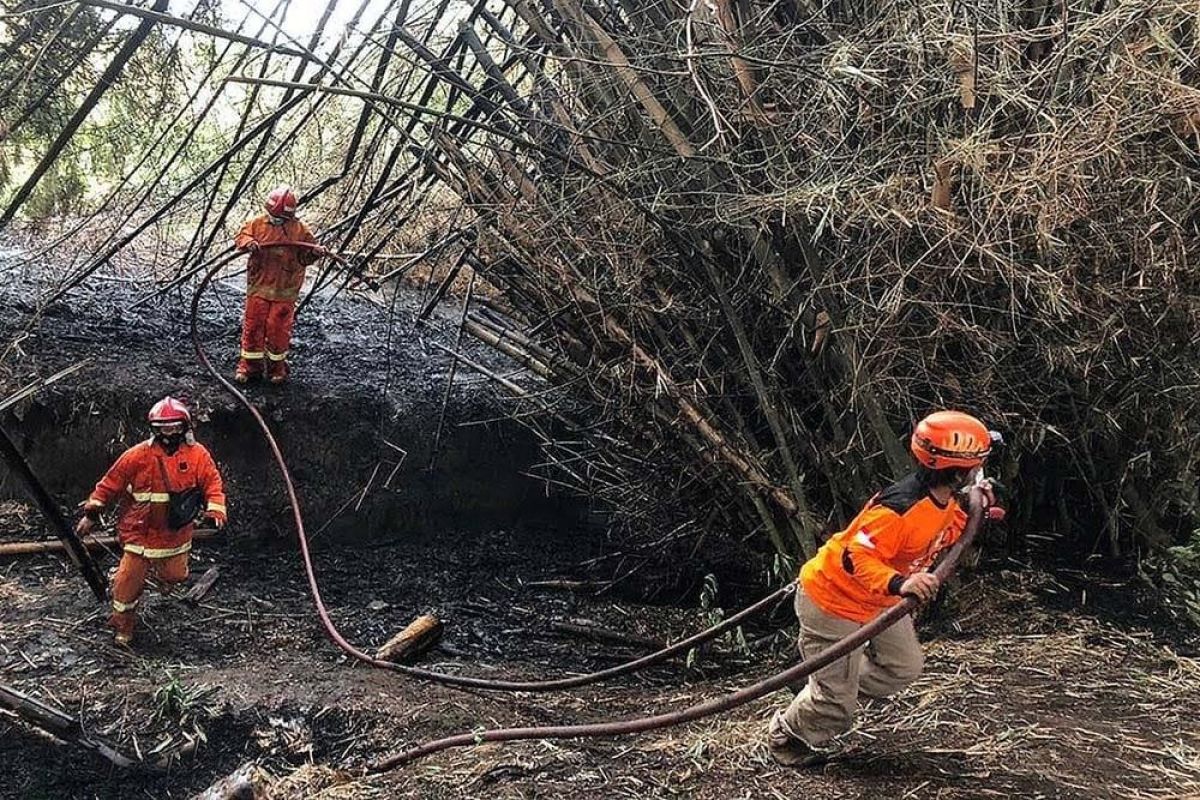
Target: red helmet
x,y
168,411
281,202
948,439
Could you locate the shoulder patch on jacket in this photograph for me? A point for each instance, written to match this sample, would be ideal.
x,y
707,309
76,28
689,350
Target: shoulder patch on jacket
x,y
903,495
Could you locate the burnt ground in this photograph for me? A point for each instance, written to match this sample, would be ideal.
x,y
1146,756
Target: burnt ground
x,y
1028,691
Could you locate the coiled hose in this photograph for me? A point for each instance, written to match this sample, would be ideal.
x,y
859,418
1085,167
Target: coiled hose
x,y
448,679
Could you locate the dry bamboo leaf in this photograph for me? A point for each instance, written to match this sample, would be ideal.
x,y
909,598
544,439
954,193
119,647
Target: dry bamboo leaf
x,y
943,177
821,332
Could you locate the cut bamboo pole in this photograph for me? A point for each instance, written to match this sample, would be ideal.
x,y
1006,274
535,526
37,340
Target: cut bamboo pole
x,y
421,634
90,542
620,62
154,14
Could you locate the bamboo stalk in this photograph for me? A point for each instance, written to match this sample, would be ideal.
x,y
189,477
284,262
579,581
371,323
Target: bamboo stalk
x,y
617,58
90,542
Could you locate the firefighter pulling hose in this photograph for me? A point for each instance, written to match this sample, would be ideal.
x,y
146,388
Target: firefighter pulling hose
x,y
951,448
280,247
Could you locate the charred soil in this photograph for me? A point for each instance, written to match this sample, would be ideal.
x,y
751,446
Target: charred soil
x,y
1027,693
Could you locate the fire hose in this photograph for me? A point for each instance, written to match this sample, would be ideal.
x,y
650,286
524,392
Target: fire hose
x,y
621,727
448,679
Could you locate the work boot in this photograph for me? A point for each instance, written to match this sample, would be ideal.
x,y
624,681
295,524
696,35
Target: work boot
x,y
247,371
792,751
123,625
278,372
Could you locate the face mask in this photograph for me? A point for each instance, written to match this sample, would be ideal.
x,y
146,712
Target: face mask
x,y
274,220
169,441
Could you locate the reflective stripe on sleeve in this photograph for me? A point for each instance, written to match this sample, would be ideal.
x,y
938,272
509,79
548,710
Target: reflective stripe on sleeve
x,y
216,507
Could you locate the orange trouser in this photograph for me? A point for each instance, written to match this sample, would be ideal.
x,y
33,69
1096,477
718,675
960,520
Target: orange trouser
x,y
266,333
130,580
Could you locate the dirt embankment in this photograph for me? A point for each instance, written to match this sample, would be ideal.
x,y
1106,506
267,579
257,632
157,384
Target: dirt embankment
x,y
357,424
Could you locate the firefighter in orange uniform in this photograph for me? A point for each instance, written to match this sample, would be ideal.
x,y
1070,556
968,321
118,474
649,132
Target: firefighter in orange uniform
x,y
160,487
882,555
274,276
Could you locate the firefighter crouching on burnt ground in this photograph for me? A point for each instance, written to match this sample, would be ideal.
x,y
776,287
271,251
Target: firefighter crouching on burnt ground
x,y
274,277
882,555
160,486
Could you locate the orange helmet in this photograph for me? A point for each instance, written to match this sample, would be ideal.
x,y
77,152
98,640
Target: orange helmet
x,y
281,202
947,439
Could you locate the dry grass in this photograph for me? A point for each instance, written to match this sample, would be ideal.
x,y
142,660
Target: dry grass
x,y
1040,704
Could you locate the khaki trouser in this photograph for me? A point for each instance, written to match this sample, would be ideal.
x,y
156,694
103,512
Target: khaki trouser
x,y
130,580
884,666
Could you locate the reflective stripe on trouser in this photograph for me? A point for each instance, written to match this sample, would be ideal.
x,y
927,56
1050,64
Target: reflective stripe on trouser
x,y
266,330
825,706
130,581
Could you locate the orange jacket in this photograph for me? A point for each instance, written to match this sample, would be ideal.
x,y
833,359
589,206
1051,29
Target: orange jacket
x,y
276,273
858,572
136,482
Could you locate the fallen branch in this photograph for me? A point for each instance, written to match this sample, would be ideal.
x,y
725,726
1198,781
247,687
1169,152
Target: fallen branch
x,y
59,724
32,388
91,543
202,587
597,633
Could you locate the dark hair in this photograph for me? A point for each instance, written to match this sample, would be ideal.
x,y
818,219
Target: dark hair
x,y
951,476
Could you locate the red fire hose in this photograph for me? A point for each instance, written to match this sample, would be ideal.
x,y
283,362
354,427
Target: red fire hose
x,y
464,681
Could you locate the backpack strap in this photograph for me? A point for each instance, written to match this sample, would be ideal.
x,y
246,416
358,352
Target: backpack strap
x,y
162,468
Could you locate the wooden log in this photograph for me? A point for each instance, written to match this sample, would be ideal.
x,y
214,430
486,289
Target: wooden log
x,y
418,637
91,543
59,724
202,586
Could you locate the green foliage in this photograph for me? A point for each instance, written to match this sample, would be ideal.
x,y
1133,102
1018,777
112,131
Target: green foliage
x,y
60,192
182,706
734,640
44,80
1176,573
